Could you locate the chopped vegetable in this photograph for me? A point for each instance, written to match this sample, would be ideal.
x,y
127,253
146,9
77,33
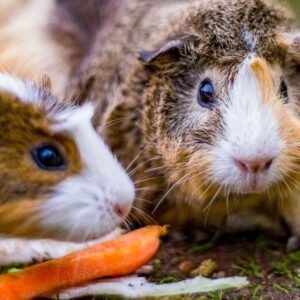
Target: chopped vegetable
x,y
207,267
118,257
133,287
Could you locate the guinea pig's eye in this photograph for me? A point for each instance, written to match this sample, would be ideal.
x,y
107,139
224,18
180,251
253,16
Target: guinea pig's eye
x,y
206,94
283,90
48,158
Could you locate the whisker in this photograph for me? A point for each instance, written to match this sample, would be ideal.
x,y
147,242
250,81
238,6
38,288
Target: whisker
x,y
134,159
136,219
208,207
143,200
146,189
114,122
179,181
147,179
143,213
132,172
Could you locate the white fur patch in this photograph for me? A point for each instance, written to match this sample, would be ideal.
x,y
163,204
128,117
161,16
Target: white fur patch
x,y
73,118
83,206
15,250
24,90
250,132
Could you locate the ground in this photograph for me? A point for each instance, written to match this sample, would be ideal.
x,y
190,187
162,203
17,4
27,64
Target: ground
x,y
273,273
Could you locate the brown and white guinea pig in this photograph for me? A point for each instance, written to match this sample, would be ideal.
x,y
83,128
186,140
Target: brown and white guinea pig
x,y
27,46
208,114
49,36
58,178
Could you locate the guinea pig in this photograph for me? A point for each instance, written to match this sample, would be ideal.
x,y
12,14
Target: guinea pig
x,y
50,36
58,178
27,47
207,113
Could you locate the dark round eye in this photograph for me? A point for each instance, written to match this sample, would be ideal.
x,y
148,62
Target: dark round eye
x,y
206,94
48,157
283,90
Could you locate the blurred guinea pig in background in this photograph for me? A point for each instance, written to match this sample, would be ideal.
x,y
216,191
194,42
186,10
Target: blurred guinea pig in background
x,y
58,178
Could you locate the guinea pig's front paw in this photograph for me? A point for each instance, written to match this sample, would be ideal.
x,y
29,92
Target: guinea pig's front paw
x,y
293,244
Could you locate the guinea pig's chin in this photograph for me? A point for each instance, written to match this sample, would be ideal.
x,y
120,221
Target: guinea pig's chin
x,y
86,226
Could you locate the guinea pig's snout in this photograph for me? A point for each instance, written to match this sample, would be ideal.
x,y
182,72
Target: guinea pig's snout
x,y
254,165
122,209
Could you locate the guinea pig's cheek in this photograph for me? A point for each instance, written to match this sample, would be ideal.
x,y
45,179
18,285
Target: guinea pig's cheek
x,y
95,201
79,211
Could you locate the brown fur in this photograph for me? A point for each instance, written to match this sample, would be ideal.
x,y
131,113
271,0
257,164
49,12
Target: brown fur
x,y
23,127
148,110
26,46
263,75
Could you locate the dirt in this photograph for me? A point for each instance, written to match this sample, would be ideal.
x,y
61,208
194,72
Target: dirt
x,y
272,272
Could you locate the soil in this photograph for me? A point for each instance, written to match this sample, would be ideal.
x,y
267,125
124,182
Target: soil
x,y
273,274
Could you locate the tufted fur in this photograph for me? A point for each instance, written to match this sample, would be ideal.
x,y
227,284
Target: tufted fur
x,y
175,148
143,64
87,199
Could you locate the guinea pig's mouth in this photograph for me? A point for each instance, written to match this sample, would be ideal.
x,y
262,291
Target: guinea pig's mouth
x,y
252,184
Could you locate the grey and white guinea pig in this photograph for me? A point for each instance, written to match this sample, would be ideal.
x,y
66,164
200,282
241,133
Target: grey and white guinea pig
x,y
58,178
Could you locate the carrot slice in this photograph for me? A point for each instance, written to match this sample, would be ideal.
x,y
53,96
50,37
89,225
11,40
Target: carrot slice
x,y
118,257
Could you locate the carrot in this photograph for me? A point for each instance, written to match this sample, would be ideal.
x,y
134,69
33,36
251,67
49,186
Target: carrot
x,y
118,257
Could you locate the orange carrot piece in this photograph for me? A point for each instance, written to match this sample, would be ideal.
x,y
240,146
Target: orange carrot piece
x,y
118,257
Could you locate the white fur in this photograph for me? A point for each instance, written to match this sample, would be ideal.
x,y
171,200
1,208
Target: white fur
x,y
73,118
14,250
22,89
83,205
250,132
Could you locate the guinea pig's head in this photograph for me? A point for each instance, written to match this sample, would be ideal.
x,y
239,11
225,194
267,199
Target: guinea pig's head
x,y
220,105
58,178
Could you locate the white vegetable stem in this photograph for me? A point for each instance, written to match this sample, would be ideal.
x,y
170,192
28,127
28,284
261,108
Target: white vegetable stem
x,y
135,287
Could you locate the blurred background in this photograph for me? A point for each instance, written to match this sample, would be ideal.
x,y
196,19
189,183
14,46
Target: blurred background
x,y
295,4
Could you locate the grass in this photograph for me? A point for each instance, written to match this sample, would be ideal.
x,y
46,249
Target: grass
x,y
247,267
168,279
218,295
255,291
204,247
281,288
286,267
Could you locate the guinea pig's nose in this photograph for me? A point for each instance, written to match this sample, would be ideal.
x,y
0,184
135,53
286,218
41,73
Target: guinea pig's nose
x,y
259,164
122,209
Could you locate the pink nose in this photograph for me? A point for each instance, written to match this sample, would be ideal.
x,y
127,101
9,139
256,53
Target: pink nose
x,y
256,165
122,210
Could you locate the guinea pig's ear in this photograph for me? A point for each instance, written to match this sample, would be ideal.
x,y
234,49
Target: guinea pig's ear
x,y
170,51
44,81
290,43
